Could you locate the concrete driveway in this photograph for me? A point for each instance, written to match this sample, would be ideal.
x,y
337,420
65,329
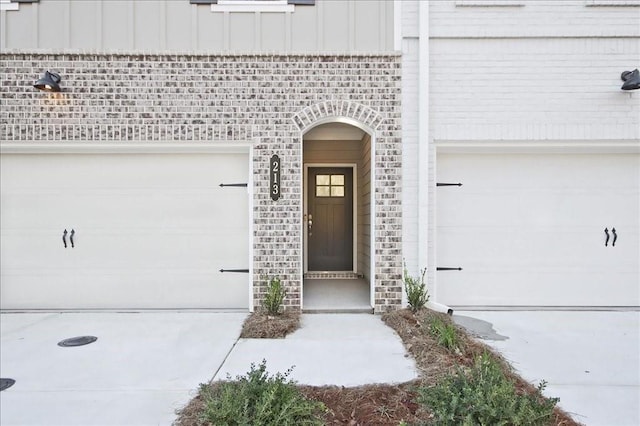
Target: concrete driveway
x,y
140,370
144,366
591,360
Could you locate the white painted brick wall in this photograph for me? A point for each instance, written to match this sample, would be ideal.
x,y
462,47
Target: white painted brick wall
x,y
533,89
536,18
410,152
409,18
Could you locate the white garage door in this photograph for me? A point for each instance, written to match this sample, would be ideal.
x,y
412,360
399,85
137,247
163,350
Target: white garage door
x,y
150,231
529,230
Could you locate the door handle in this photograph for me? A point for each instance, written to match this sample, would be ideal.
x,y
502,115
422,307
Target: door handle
x,y
615,237
64,238
71,238
606,242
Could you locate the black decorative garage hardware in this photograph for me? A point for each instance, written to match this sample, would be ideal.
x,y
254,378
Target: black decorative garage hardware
x,y
245,271
222,185
615,237
448,184
64,238
77,341
6,384
448,269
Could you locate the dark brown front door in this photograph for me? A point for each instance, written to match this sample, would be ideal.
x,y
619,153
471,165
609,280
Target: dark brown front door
x,y
330,219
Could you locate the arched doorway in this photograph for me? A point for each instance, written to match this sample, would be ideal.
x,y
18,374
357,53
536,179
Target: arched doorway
x,y
337,225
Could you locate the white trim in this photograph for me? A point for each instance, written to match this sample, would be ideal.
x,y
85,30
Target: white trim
x,y
252,6
423,138
91,147
8,5
397,25
489,3
613,3
372,220
543,146
251,221
354,200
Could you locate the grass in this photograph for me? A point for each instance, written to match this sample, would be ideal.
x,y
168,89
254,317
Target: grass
x,y
445,333
436,360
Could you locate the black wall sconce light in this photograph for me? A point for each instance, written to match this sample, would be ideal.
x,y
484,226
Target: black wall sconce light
x,y
631,80
49,82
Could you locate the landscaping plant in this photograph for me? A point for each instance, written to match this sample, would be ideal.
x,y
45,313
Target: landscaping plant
x,y
416,290
258,399
485,396
274,297
445,334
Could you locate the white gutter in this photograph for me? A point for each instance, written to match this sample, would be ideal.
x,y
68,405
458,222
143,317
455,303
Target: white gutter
x,y
423,134
423,150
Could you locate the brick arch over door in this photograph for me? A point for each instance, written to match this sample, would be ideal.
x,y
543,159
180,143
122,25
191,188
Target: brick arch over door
x,y
320,112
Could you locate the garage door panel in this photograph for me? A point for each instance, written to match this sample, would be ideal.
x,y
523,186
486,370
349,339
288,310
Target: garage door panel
x,y
528,230
79,171
533,288
151,231
127,248
190,209
532,171
535,208
86,290
530,247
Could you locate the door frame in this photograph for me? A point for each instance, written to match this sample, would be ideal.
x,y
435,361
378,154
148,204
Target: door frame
x,y
305,209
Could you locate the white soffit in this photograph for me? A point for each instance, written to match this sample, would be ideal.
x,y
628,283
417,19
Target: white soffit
x,y
335,131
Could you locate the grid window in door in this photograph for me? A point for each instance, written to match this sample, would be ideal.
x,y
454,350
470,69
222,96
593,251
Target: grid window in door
x,y
329,185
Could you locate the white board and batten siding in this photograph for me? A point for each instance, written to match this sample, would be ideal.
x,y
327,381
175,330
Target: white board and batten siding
x,y
152,231
529,230
177,26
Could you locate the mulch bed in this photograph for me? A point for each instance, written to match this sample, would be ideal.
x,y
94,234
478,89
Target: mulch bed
x,y
262,326
435,361
384,404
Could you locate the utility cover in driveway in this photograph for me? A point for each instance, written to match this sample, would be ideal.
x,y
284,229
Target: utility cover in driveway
x,y
6,384
150,231
77,341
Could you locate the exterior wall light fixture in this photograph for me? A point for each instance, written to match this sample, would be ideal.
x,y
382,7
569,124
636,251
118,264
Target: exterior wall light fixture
x,y
49,82
631,80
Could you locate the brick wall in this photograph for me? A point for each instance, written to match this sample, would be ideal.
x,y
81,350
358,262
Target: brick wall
x,y
265,99
533,89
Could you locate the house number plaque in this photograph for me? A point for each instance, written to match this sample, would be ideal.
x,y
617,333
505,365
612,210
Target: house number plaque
x,y
274,177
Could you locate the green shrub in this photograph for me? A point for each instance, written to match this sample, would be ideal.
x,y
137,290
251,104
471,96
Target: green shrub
x,y
416,290
258,400
484,396
275,296
445,333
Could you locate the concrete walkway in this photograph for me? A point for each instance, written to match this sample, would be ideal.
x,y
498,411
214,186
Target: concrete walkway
x,y
591,360
329,349
144,366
